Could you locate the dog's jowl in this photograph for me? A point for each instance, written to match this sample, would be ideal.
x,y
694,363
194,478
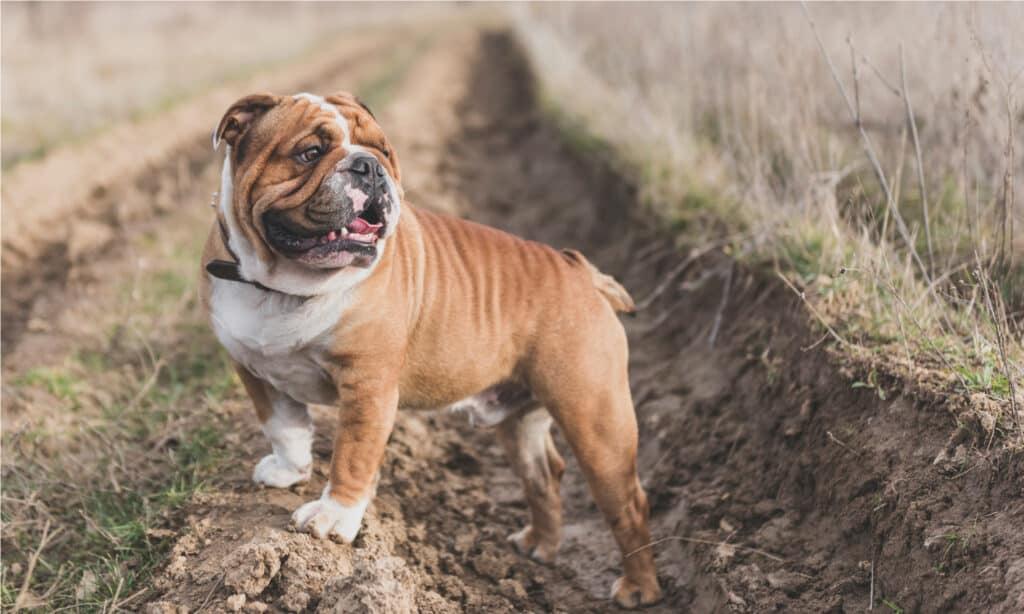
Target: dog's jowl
x,y
326,287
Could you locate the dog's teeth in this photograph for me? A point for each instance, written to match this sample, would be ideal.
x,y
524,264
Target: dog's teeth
x,y
343,232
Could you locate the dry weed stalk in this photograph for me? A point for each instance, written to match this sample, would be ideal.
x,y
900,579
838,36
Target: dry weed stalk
x,y
24,594
997,312
917,156
707,542
869,151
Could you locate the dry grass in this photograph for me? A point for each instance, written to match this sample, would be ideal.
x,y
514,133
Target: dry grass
x,y
905,237
72,69
103,446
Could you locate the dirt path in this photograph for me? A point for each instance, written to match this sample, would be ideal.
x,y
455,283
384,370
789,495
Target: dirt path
x,y
774,484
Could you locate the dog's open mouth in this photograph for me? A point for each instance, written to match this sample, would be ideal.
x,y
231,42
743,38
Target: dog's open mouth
x,y
334,247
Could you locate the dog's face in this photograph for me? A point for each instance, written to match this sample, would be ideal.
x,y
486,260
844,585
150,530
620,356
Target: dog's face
x,y
313,184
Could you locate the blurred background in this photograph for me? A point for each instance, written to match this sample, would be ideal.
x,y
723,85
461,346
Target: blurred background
x,y
73,68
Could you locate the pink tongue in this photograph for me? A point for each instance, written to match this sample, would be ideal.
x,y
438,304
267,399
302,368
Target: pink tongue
x,y
360,226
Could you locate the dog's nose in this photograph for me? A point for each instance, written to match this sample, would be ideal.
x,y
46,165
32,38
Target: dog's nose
x,y
360,167
368,165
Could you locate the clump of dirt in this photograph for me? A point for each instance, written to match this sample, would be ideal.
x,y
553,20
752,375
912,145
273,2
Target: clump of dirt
x,y
379,586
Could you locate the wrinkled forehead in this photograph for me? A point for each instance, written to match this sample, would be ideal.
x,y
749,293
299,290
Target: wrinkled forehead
x,y
317,113
341,119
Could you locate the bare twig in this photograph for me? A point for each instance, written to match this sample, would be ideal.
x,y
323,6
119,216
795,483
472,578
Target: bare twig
x,y
972,233
816,343
856,78
898,183
818,315
903,337
117,593
649,250
23,592
869,150
721,306
1008,195
708,542
836,441
892,88
148,384
96,527
209,595
661,319
131,598
871,594
997,312
680,269
917,153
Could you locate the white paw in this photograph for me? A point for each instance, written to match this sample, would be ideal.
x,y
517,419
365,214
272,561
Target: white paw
x,y
328,518
271,471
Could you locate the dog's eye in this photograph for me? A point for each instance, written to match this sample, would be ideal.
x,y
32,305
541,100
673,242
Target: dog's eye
x,y
310,155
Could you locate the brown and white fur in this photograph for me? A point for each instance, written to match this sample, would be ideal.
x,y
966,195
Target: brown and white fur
x,y
428,313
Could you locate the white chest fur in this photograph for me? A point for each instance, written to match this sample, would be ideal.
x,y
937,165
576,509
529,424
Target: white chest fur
x,y
279,338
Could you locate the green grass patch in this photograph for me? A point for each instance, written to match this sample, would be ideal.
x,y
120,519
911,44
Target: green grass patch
x,y
57,381
146,436
892,606
987,379
113,483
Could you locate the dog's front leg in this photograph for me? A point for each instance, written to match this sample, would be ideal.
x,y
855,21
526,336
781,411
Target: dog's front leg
x,y
366,419
288,426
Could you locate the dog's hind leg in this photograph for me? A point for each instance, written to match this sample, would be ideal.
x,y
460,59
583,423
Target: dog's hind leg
x,y
587,393
526,439
288,426
602,431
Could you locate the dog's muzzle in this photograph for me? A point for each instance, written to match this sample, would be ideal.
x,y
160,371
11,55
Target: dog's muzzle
x,y
342,222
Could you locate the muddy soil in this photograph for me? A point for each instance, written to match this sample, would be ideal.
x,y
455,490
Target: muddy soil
x,y
774,484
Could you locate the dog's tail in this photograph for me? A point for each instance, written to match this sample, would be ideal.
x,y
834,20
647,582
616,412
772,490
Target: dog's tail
x,y
611,290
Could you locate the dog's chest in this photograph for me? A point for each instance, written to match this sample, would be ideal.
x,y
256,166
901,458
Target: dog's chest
x,y
279,338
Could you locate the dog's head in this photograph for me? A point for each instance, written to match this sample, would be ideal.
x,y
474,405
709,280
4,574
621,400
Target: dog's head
x,y
310,189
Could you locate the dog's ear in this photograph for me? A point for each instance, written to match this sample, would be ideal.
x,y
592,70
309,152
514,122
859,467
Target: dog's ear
x,y
240,116
365,107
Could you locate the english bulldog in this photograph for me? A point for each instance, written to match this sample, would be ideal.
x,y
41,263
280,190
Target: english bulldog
x,y
325,287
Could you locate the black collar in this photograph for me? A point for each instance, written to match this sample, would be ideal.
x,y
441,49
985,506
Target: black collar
x,y
229,269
